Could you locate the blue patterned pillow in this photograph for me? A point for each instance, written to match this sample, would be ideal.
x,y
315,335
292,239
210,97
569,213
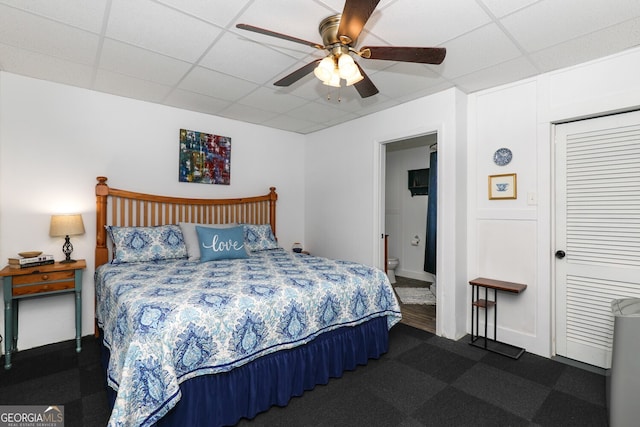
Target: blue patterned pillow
x,y
134,244
221,243
259,237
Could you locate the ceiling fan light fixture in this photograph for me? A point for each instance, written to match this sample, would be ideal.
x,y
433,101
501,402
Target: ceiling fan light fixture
x,y
325,69
357,76
334,81
340,33
347,66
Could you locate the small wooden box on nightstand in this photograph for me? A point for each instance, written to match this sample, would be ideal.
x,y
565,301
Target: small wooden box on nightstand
x,y
40,281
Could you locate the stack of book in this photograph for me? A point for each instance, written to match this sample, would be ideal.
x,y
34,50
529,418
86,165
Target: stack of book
x,y
23,262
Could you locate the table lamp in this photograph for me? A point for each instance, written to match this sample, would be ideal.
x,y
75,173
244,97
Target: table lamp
x,y
66,225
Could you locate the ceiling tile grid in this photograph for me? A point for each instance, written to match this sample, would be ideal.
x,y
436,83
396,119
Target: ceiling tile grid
x,y
189,54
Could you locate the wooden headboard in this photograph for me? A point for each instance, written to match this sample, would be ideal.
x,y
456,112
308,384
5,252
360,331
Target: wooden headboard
x,y
131,209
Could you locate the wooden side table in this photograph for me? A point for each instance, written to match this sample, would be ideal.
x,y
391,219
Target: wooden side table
x,y
40,281
485,303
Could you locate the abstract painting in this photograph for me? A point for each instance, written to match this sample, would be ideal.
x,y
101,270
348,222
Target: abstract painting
x,y
204,158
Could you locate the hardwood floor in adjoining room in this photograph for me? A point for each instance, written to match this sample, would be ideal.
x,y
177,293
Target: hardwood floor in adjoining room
x,y
417,315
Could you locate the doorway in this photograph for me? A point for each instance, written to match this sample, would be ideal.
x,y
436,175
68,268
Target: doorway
x,y
597,231
405,225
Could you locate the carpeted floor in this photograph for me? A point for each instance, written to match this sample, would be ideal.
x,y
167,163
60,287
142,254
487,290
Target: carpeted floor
x,y
56,375
423,380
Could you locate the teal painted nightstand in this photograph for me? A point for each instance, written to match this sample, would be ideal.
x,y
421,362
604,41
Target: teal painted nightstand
x,y
40,281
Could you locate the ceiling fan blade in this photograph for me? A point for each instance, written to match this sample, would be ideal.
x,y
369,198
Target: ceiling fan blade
x,y
355,14
365,87
423,55
278,35
297,74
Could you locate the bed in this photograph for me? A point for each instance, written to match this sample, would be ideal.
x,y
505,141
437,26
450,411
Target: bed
x,y
210,341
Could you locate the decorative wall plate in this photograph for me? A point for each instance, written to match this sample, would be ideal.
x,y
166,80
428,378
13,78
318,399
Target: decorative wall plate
x,y
502,156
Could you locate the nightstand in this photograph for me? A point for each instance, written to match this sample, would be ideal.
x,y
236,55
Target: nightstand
x,y
40,281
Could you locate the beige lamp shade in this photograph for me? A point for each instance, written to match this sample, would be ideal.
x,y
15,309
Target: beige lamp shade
x,y
66,225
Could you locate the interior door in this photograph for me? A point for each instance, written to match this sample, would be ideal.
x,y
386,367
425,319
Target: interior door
x,y
597,219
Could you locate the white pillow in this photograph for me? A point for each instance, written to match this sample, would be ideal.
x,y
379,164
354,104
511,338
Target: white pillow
x,y
190,237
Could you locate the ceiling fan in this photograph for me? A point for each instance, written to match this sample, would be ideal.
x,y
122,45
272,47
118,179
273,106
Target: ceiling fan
x,y
339,37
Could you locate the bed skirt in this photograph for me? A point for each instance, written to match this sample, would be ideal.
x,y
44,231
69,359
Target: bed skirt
x,y
223,399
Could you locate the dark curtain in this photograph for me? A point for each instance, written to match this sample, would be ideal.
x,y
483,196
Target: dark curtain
x,y
432,215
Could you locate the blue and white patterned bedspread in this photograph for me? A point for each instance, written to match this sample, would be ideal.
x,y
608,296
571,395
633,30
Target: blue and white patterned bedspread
x,y
168,321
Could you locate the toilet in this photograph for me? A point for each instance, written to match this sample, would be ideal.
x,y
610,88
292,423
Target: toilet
x,y
392,264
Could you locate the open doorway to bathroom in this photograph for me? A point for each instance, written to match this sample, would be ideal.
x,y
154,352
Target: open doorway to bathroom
x,y
406,200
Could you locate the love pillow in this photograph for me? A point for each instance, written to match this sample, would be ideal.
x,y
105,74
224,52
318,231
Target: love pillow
x,y
221,243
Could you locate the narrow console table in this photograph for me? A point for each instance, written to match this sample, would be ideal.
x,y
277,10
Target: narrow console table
x,y
491,344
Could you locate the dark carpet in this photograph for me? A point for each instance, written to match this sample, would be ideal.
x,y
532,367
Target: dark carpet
x,y
423,380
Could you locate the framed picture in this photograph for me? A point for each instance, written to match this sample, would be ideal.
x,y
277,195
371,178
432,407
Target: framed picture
x,y
503,186
204,158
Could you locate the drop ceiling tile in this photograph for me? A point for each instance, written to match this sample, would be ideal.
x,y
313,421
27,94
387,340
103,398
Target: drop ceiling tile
x,y
319,112
246,59
130,87
269,99
288,123
372,66
594,45
426,23
550,22
161,29
509,71
195,102
338,5
352,102
27,31
443,85
247,113
219,13
212,83
313,128
482,48
501,8
382,103
87,15
142,64
402,78
45,67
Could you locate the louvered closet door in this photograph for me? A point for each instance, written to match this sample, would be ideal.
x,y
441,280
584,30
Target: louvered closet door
x,y
598,227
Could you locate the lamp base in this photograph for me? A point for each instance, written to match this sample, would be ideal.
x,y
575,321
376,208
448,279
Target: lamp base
x,y
67,248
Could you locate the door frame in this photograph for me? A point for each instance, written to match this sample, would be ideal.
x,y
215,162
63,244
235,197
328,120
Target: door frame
x,y
380,157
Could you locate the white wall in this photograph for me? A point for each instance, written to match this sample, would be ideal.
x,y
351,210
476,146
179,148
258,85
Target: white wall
x,y
513,239
406,216
55,140
344,207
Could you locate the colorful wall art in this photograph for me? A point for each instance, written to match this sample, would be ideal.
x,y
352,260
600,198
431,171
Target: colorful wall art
x,y
204,158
